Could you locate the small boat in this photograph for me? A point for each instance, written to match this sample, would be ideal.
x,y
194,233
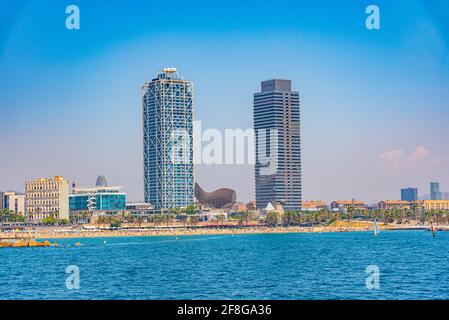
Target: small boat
x,y
376,228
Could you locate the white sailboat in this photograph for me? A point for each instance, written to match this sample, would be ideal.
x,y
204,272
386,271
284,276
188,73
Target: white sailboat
x,y
376,228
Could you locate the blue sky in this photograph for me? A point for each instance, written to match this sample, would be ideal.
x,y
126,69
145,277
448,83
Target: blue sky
x,y
375,102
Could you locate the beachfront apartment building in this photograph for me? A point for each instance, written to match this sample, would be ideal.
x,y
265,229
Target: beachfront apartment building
x,y
46,197
167,107
434,204
278,145
393,204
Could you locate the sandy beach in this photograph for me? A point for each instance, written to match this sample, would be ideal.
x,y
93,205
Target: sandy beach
x,y
58,233
53,234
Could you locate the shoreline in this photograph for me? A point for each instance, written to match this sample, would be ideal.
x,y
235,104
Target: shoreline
x,y
185,231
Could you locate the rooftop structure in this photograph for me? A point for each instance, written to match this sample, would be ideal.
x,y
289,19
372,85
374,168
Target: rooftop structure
x,y
313,205
101,181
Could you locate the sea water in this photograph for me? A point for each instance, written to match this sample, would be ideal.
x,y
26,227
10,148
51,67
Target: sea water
x,y
411,265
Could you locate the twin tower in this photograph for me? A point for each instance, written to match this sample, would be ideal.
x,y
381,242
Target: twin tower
x,y
167,106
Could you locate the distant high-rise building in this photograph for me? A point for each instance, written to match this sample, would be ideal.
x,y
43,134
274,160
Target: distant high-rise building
x,y
409,194
168,140
278,145
435,193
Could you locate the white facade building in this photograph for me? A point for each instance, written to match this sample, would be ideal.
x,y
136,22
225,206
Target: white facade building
x,y
12,201
46,197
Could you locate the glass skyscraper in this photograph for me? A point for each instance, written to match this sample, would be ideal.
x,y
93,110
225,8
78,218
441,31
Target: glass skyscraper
x,y
278,145
409,194
167,103
435,193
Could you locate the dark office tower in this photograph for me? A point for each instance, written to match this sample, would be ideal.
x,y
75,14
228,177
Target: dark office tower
x,y
409,194
435,193
278,145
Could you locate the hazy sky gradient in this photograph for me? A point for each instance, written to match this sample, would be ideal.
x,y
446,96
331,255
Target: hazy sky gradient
x,y
375,104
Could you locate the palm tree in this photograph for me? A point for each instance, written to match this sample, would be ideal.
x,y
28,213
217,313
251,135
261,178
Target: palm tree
x,y
38,212
158,219
167,217
109,220
3,214
194,220
139,221
9,215
350,212
271,219
414,212
190,210
428,215
100,221
440,214
288,217
337,216
85,215
395,214
220,219
298,217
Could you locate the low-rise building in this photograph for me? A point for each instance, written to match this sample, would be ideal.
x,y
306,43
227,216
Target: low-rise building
x,y
435,204
239,207
141,210
393,204
314,205
46,197
12,201
138,206
251,206
343,205
277,207
216,215
86,202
